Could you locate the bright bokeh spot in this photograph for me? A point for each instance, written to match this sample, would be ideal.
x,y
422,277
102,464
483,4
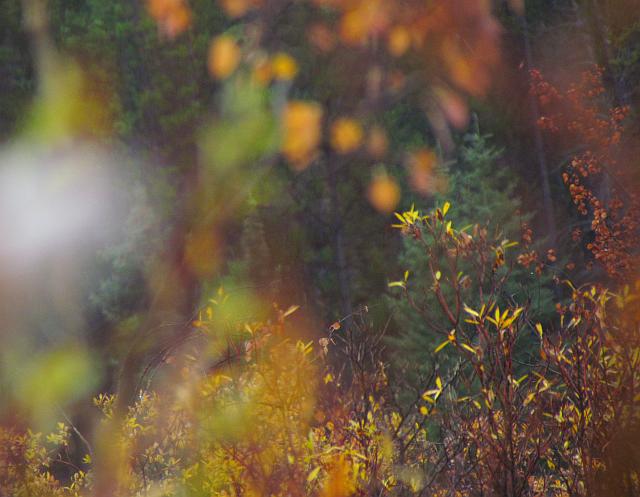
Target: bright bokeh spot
x,y
377,142
421,170
238,8
302,127
399,40
224,56
284,66
384,193
263,71
346,135
173,16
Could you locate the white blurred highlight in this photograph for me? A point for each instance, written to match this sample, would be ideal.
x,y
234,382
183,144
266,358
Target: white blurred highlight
x,y
52,202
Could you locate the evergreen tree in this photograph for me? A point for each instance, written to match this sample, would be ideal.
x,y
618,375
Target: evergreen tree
x,y
16,74
481,191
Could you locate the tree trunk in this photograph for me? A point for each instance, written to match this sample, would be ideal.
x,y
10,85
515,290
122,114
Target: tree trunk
x,y
547,201
339,243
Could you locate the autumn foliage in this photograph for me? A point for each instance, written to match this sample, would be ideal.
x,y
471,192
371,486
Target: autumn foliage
x,y
255,411
599,180
246,389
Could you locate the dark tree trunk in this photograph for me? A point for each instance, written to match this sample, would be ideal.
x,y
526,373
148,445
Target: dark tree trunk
x,y
338,235
547,201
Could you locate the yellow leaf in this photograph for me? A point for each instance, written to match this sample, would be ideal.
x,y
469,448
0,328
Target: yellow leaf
x,y
224,56
449,229
401,284
445,208
469,310
426,395
439,382
290,310
423,410
441,346
314,474
468,347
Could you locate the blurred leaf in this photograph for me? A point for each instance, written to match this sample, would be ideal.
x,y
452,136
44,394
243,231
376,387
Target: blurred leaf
x,y
302,132
69,104
224,56
173,16
346,135
284,67
248,130
399,41
54,379
384,193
